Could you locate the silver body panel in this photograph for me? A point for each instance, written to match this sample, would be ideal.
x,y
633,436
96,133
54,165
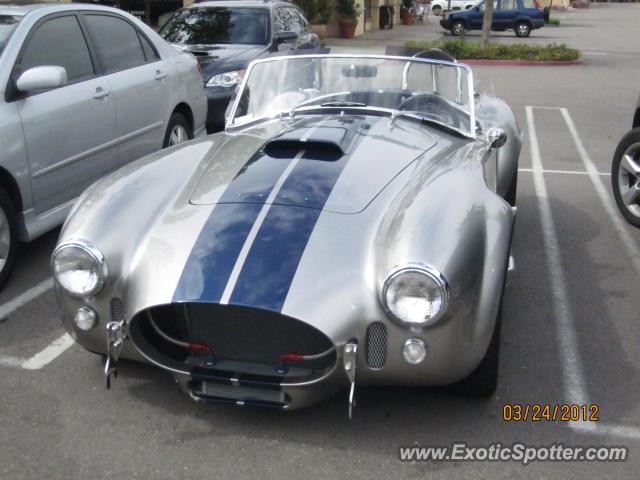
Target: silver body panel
x,y
58,142
426,195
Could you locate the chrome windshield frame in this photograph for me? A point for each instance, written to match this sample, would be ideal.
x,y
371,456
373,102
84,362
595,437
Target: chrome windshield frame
x,y
470,92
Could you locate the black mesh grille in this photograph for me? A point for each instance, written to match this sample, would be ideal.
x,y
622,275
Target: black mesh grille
x,y
376,345
117,310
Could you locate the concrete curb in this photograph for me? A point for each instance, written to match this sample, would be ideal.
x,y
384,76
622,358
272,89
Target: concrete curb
x,y
522,63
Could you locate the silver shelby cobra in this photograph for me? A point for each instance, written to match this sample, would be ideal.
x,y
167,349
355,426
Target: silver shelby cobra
x,y
352,226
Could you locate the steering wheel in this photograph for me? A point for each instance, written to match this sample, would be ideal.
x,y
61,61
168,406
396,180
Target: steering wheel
x,y
432,105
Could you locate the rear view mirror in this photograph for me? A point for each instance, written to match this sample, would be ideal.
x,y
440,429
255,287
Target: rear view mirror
x,y
39,78
359,71
286,37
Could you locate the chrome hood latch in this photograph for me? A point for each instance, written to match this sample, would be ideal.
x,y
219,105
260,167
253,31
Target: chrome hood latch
x,y
115,342
350,359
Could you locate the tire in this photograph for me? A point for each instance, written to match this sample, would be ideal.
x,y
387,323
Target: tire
x,y
8,236
522,29
437,10
625,176
178,131
458,28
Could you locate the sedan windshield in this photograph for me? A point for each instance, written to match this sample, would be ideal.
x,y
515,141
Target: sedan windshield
x,y
428,90
213,25
8,24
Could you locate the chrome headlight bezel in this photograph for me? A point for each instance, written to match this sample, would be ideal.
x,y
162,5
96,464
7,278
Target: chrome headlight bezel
x,y
225,79
423,269
94,254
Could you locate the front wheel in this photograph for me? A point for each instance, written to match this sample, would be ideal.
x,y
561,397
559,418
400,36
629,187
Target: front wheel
x,y
8,236
458,28
523,29
625,176
178,131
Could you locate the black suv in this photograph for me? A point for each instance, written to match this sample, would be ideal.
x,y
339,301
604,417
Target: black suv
x,y
226,35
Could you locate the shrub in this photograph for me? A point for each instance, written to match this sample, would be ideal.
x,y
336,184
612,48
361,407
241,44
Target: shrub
x,y
464,50
347,9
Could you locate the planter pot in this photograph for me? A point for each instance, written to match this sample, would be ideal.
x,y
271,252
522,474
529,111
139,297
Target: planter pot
x,y
407,17
319,30
347,28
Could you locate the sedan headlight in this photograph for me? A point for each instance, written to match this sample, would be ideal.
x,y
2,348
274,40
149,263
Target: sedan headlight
x,y
79,268
226,79
415,295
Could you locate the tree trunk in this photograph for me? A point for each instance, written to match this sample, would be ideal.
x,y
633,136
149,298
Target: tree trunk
x,y
486,23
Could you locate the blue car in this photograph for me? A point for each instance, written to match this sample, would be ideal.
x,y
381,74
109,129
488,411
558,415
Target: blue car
x,y
521,16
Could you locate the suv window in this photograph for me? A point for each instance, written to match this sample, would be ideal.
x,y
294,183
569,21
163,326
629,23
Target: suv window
x,y
59,42
507,5
117,41
529,4
293,20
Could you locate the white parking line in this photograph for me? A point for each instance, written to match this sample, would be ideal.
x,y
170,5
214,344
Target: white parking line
x,y
603,193
573,378
24,298
49,354
564,172
6,361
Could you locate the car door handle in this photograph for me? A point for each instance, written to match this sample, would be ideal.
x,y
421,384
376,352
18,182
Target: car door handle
x,y
160,75
101,93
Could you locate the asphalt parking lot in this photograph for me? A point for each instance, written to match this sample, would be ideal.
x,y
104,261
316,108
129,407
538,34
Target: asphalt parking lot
x,y
569,333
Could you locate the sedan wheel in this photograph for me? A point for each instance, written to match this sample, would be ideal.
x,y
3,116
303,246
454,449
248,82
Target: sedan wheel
x,y
625,176
457,28
178,131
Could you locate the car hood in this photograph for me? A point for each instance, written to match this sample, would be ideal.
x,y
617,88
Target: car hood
x,y
221,58
336,163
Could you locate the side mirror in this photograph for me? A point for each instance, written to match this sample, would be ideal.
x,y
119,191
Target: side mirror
x,y
39,78
286,37
496,137
477,9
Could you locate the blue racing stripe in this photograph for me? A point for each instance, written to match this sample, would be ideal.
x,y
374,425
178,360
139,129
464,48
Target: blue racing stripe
x,y
272,262
214,253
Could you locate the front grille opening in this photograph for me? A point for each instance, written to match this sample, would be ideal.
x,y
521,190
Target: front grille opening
x,y
244,341
376,345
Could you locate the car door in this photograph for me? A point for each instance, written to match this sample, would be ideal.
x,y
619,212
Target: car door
x,y
504,16
475,15
69,130
138,80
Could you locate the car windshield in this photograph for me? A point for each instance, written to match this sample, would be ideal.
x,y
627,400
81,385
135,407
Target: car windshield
x,y
8,24
429,90
213,25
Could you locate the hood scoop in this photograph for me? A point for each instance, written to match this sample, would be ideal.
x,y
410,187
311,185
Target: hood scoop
x,y
319,143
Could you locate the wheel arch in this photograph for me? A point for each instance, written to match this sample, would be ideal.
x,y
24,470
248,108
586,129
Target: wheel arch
x,y
185,110
636,118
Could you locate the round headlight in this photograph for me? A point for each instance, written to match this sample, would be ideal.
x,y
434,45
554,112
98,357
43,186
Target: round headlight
x,y
79,268
415,295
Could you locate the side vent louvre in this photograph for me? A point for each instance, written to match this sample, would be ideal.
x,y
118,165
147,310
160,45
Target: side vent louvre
x,y
376,345
117,310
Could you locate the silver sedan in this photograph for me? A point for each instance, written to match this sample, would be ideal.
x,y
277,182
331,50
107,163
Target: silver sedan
x,y
83,91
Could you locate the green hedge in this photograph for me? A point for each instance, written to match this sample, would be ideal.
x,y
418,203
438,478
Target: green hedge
x,y
464,50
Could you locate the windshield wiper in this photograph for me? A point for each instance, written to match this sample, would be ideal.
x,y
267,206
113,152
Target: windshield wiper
x,y
343,104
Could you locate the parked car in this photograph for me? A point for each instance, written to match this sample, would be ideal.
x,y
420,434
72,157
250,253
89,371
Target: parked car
x,y
625,172
438,7
85,90
226,35
521,16
352,225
